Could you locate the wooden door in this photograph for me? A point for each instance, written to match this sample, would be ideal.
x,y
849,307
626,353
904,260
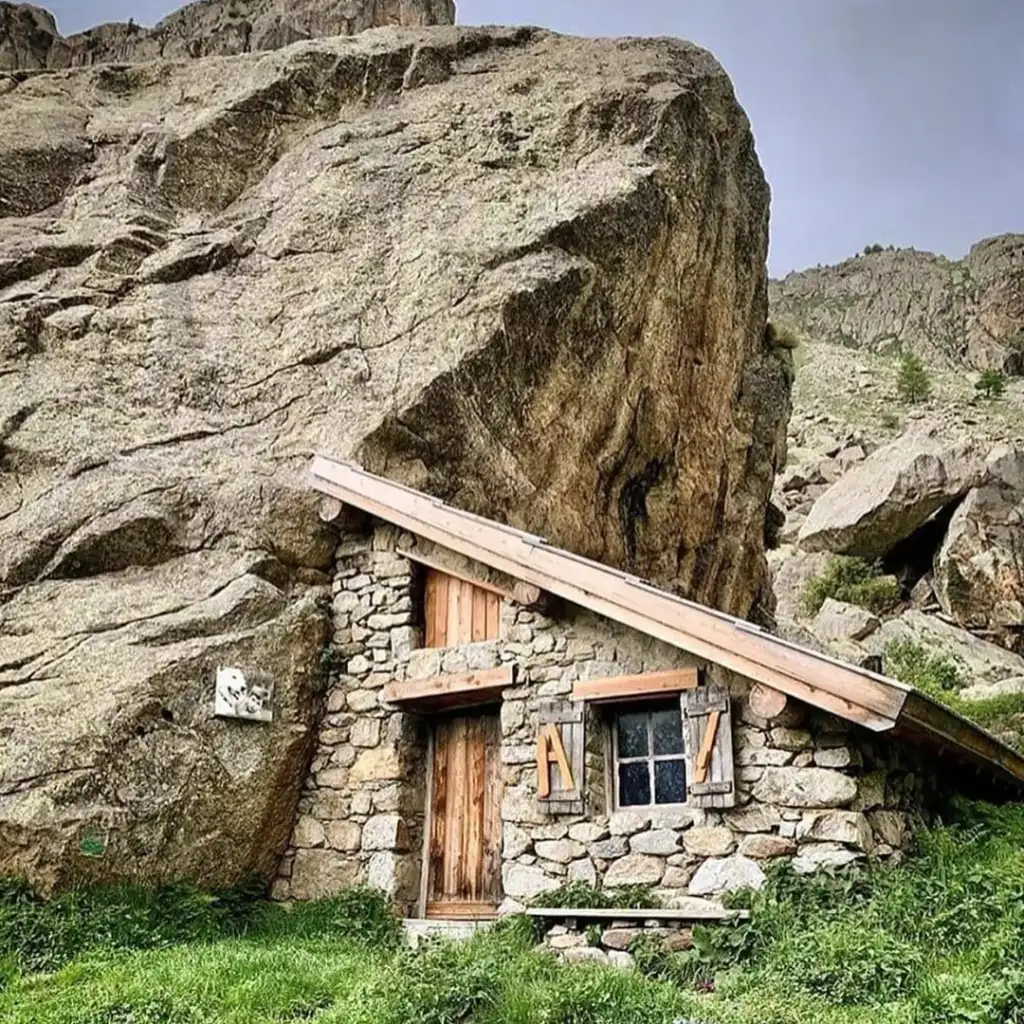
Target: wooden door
x,y
464,869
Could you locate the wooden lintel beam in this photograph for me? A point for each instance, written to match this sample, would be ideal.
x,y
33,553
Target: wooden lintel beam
x,y
644,684
422,691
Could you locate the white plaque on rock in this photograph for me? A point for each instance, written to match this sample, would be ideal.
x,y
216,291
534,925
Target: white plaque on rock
x,y
237,697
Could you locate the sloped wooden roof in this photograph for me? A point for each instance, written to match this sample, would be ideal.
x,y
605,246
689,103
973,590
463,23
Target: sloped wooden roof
x,y
848,691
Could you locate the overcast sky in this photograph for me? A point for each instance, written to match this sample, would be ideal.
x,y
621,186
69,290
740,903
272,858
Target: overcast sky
x,y
892,121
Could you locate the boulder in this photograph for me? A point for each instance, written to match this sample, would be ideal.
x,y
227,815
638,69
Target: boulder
x,y
805,787
814,856
317,874
885,498
709,841
977,659
979,570
183,322
385,832
765,847
991,691
660,842
523,882
848,827
634,869
840,621
560,851
719,875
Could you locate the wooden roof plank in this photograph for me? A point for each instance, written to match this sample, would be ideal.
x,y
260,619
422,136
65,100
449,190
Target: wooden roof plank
x,y
710,635
855,694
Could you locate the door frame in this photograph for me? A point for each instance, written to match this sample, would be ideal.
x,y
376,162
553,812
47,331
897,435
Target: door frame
x,y
428,816
428,822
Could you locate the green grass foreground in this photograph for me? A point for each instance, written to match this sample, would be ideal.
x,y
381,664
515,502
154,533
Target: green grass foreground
x,y
939,939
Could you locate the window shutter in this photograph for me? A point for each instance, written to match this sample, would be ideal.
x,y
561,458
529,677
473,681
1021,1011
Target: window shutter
x,y
707,733
560,746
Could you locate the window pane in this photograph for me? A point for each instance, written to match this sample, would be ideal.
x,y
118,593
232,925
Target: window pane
x,y
669,782
668,731
633,735
634,785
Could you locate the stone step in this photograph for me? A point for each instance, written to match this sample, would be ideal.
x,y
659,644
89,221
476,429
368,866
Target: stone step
x,y
419,929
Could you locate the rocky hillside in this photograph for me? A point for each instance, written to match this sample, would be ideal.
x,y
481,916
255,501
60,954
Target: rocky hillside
x,y
29,38
969,312
522,271
928,500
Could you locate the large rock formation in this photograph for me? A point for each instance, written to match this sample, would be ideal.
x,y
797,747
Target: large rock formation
x,y
967,312
884,499
523,272
29,37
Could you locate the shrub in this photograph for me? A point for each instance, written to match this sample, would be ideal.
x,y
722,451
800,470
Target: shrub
x,y
911,663
889,420
853,580
871,249
781,335
913,383
45,934
991,383
583,896
360,914
850,963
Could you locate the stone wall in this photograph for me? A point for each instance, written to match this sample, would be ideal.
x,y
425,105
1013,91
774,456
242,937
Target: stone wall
x,y
809,786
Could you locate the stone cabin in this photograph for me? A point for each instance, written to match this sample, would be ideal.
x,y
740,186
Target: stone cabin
x,y
505,717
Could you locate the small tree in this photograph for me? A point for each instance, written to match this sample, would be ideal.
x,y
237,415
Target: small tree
x,y
913,383
991,383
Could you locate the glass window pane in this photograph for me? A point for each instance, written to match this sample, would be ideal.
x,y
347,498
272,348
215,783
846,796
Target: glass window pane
x,y
668,732
634,785
633,735
669,782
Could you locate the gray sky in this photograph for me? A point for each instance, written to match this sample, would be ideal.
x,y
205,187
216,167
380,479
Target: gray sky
x,y
892,121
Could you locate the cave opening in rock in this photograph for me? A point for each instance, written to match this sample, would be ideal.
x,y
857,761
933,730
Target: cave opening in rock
x,y
914,556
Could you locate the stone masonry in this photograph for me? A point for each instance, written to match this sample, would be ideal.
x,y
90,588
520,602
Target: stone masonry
x,y
810,787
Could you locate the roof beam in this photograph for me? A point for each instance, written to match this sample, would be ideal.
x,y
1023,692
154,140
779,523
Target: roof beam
x,y
851,693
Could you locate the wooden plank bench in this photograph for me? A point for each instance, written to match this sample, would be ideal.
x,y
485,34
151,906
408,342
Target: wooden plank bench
x,y
661,915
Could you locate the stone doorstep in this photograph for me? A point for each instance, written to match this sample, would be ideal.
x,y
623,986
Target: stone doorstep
x,y
417,929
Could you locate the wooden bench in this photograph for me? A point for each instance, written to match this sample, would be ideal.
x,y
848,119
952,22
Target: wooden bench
x,y
570,915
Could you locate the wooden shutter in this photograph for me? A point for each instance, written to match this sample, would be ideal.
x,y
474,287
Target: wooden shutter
x,y
560,735
707,734
456,612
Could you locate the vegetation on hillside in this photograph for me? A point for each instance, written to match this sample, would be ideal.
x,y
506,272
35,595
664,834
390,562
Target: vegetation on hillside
x,y
912,382
853,580
938,675
991,383
938,939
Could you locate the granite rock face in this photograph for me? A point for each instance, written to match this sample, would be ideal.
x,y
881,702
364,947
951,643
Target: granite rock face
x,y
29,38
525,273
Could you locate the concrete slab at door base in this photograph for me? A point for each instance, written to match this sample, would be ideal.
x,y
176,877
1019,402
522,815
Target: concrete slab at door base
x,y
418,929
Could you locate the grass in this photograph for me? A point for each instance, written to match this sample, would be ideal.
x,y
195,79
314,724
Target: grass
x,y
937,939
854,581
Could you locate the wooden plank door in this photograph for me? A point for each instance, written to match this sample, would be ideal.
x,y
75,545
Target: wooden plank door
x,y
464,874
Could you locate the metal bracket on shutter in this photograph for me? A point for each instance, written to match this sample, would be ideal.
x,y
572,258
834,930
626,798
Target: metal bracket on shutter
x,y
702,710
709,788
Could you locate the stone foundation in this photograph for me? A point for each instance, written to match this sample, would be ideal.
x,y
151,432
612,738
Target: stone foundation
x,y
810,787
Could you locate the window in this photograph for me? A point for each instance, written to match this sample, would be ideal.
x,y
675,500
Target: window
x,y
648,756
